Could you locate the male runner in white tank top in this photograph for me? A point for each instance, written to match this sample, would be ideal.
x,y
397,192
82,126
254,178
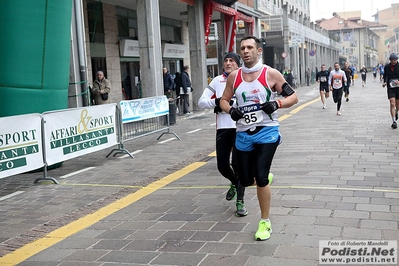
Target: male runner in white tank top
x,y
255,86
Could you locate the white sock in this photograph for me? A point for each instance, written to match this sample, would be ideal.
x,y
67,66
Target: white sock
x,y
266,220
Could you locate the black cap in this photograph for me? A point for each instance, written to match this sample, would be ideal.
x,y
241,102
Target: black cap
x,y
233,56
393,57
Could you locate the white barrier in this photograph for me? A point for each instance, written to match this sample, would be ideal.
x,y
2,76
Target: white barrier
x,y
142,117
33,141
141,109
74,132
20,144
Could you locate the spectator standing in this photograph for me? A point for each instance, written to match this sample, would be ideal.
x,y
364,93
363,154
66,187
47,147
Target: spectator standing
x,y
391,80
101,88
177,82
284,71
308,77
167,83
289,78
185,90
225,132
127,88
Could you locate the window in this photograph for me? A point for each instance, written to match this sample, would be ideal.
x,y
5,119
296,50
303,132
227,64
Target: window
x,y
171,30
96,22
98,63
127,23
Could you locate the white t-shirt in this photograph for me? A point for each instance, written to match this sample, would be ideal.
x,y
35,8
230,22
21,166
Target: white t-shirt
x,y
336,77
214,90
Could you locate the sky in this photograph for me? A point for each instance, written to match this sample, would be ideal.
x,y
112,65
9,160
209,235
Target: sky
x,y
325,8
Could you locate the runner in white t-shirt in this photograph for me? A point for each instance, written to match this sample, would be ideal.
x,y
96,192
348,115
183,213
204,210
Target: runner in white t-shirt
x,y
336,81
225,132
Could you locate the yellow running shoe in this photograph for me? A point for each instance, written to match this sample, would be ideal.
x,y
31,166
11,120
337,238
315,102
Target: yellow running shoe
x,y
264,230
270,177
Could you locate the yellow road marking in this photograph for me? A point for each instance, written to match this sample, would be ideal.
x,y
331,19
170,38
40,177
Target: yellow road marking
x,y
61,233
296,110
299,108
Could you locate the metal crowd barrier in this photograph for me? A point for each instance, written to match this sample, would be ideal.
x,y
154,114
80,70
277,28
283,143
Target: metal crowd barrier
x,y
33,142
142,117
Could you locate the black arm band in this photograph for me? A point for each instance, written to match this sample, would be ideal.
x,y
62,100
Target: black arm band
x,y
287,90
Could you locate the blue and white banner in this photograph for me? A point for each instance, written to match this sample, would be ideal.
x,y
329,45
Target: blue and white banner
x,y
20,144
135,110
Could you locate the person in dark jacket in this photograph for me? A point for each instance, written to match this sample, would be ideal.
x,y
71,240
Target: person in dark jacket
x,y
391,80
289,78
348,73
185,90
177,81
167,83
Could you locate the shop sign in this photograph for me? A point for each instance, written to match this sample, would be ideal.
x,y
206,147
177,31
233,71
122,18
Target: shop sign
x,y
129,48
174,50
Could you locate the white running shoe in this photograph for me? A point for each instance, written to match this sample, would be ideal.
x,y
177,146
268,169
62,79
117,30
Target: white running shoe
x,y
325,106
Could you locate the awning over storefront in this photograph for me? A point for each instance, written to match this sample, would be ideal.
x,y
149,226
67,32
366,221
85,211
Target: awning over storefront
x,y
190,2
226,2
230,21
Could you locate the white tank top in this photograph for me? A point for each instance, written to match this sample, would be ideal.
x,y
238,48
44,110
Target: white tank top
x,y
249,97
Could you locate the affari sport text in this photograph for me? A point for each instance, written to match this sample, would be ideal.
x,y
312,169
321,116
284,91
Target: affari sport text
x,y
17,137
86,124
89,132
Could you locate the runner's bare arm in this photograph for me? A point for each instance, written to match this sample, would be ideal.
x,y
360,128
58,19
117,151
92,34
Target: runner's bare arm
x,y
277,82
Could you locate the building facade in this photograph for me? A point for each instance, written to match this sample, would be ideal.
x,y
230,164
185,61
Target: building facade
x,y
356,39
388,42
132,40
293,41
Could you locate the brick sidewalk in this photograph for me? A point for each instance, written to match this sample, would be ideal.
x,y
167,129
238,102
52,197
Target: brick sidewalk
x,y
336,178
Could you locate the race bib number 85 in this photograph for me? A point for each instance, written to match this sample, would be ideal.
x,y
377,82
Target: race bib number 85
x,y
252,114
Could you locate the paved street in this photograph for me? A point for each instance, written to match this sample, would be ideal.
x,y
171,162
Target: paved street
x,y
336,178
